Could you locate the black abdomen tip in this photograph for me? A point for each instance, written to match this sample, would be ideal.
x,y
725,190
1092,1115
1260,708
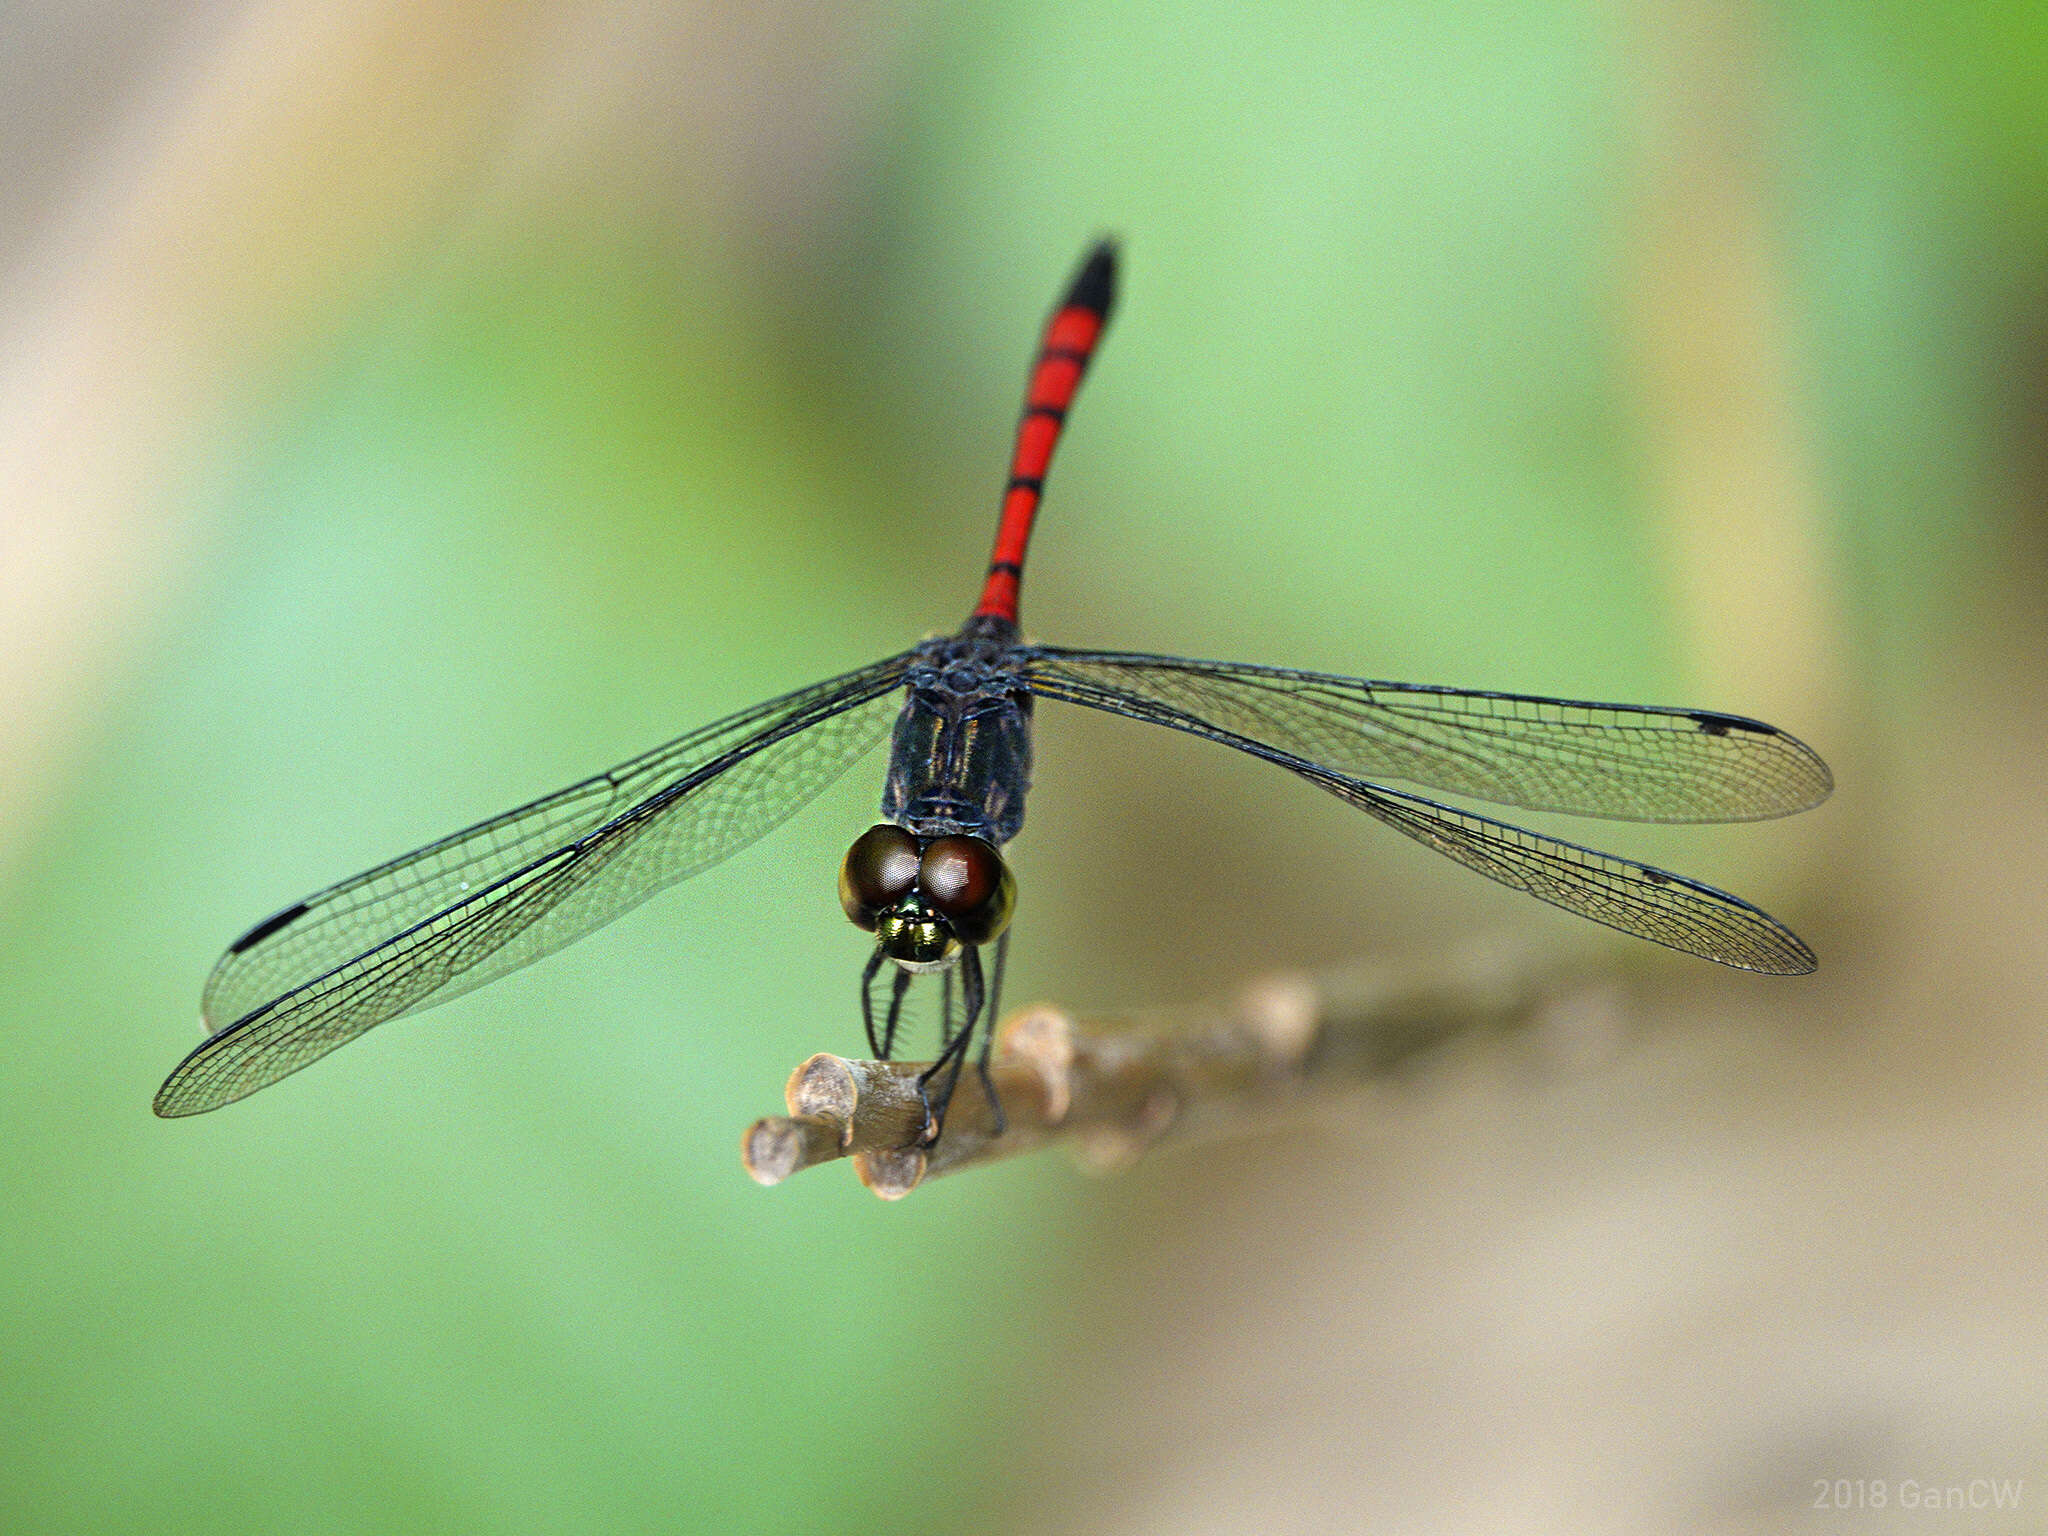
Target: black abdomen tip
x,y
1094,286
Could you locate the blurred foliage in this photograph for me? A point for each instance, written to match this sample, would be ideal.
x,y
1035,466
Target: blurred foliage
x,y
572,487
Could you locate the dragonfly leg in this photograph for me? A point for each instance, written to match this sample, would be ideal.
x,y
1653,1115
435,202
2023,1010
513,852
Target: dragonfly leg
x,y
945,1007
988,1034
953,1056
897,988
867,1004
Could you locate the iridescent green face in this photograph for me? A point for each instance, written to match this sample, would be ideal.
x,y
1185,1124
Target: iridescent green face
x,y
923,900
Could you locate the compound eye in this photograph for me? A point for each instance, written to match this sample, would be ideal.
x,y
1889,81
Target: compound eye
x,y
966,881
880,870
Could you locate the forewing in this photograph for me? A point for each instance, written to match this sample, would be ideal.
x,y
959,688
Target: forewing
x,y
466,910
1629,762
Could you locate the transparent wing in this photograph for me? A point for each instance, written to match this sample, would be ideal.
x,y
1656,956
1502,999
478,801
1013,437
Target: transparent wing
x,y
1636,898
467,909
1641,899
1629,762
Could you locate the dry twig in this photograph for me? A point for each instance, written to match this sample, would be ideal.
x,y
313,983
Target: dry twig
x,y
1112,1085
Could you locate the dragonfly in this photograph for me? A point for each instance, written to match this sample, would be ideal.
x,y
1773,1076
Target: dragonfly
x,y
929,881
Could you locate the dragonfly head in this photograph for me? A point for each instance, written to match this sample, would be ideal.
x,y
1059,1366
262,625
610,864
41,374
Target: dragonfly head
x,y
924,899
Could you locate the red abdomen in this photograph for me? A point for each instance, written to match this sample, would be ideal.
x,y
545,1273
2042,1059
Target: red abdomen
x,y
1070,338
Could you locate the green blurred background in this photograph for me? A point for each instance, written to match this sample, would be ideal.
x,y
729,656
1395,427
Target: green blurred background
x,y
407,409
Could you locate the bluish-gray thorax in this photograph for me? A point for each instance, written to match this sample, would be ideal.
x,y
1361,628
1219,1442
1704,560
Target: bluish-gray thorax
x,y
960,761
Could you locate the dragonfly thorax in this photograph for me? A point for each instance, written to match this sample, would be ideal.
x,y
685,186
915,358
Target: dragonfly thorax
x,y
924,898
960,760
